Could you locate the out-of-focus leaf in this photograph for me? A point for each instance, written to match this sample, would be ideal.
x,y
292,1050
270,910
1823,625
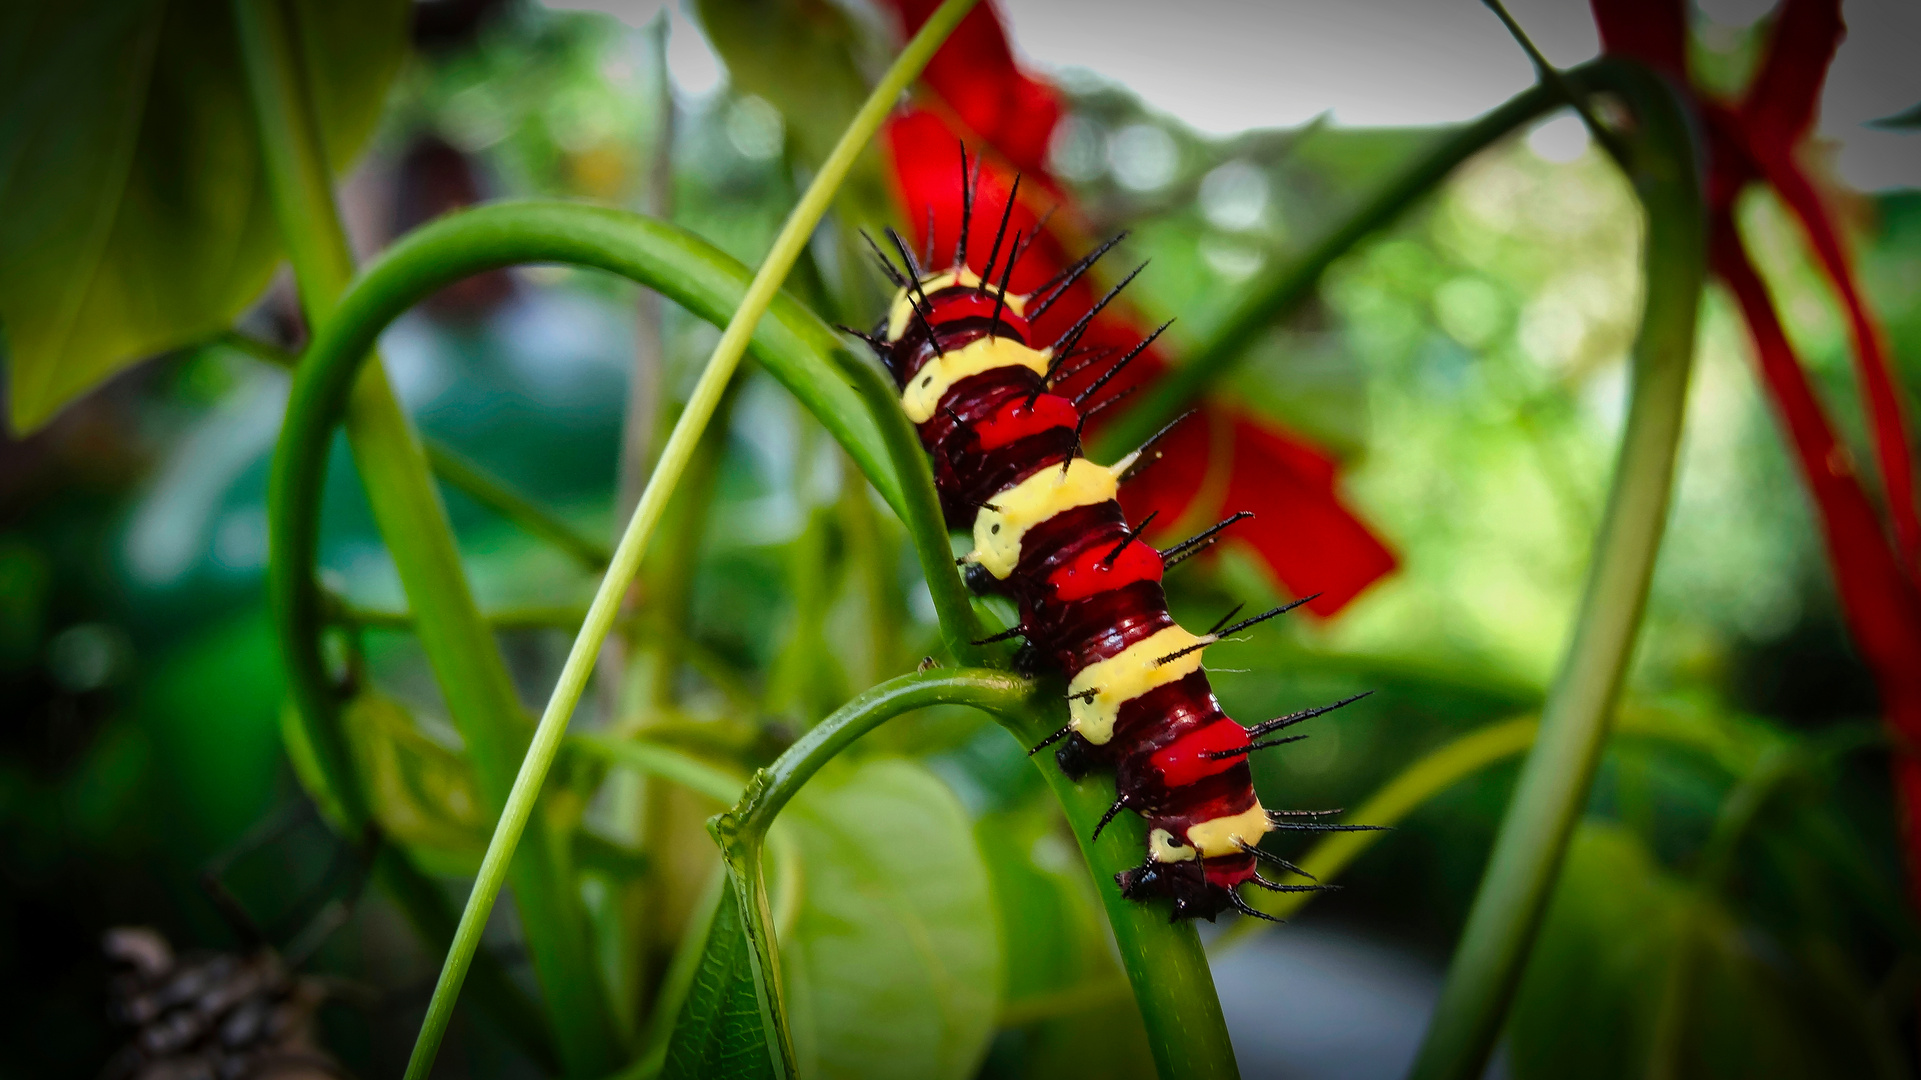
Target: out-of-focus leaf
x,y
720,1034
423,793
894,960
1587,1005
137,220
1062,990
803,57
1622,940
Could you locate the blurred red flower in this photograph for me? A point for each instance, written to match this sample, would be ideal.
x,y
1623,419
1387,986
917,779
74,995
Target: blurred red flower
x,y
1224,459
1756,140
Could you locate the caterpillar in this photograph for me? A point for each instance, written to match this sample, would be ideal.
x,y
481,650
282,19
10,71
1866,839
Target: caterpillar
x,y
1049,532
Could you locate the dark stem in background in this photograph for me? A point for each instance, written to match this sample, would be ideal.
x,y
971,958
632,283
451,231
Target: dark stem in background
x,y
1272,297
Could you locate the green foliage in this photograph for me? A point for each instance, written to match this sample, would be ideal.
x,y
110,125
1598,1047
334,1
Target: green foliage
x,y
140,219
893,961
1639,973
422,793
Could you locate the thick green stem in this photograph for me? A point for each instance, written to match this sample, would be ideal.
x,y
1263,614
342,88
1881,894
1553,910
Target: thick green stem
x,y
920,506
734,340
480,695
1554,783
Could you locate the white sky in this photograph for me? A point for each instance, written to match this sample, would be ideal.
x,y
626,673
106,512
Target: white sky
x,y
1226,65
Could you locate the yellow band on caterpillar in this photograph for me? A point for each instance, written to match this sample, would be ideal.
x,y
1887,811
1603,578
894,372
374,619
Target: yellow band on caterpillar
x,y
1096,695
900,314
1224,836
999,527
939,375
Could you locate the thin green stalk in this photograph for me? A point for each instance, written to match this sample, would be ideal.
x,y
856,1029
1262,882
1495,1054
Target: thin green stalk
x,y
733,343
663,762
473,678
495,495
1554,783
1274,295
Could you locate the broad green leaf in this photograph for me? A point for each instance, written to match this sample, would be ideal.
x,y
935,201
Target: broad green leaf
x,y
423,794
893,964
719,1035
137,219
1634,965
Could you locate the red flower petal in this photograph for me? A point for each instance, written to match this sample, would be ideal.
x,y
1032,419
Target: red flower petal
x,y
976,74
1870,356
1880,601
1778,109
1654,32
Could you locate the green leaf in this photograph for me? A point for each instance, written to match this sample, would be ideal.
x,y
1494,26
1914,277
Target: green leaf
x,y
720,1034
1595,980
894,962
424,795
137,219
1637,973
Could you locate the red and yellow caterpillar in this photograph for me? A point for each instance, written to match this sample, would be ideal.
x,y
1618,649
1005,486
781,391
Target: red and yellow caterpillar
x,y
1049,533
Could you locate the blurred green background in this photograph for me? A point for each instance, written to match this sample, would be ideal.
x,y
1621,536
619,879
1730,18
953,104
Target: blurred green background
x,y
1467,367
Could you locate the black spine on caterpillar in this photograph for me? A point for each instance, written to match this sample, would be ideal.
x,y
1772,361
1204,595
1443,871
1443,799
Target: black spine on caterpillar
x,y
1049,533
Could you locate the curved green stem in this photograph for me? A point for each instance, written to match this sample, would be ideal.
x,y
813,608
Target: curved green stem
x,y
1554,783
741,329
471,674
1274,295
1164,961
920,508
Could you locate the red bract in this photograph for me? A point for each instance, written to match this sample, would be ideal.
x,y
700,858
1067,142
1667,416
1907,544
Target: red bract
x,y
1756,140
1223,459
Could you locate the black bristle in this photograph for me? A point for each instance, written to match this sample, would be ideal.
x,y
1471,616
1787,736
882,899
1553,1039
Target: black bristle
x,y
906,254
1039,227
1223,755
1050,740
886,264
967,211
1178,550
1243,907
1279,722
1269,857
1005,635
1142,460
1233,611
1073,336
1266,615
1089,358
1275,886
1095,387
1108,559
1057,287
1000,298
1112,812
1000,232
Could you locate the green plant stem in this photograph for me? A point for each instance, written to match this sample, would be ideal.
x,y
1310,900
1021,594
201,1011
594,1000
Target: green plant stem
x,y
1554,782
742,830
787,247
495,495
1274,295
479,693
663,762
920,505
556,617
